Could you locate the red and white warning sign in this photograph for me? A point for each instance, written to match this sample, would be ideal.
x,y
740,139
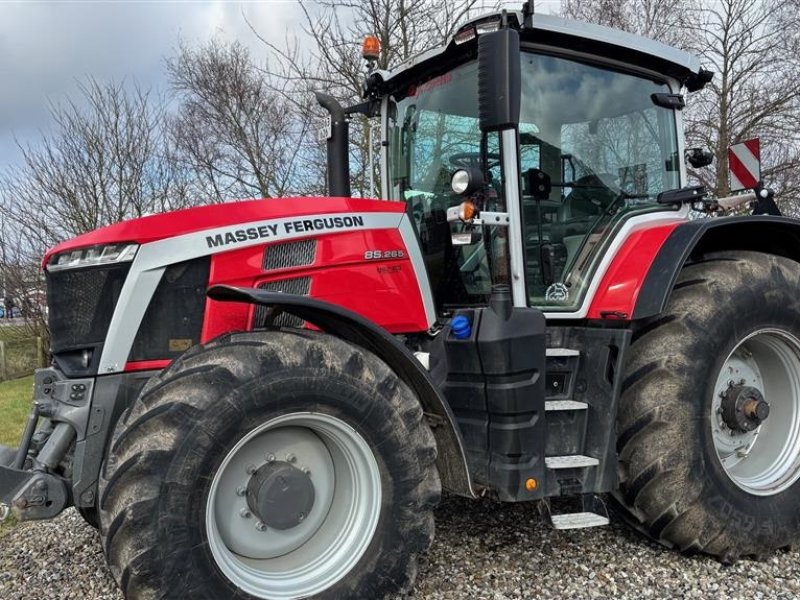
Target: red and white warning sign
x,y
744,164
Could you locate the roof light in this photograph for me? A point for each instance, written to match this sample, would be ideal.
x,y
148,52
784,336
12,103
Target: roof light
x,y
93,256
465,35
371,49
488,26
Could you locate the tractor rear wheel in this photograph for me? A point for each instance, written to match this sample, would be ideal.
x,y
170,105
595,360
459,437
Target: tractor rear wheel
x,y
709,417
274,465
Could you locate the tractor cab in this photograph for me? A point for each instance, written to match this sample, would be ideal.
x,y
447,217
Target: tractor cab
x,y
587,136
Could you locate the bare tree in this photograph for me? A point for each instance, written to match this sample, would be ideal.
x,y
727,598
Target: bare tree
x,y
239,137
754,50
663,20
333,61
752,47
106,160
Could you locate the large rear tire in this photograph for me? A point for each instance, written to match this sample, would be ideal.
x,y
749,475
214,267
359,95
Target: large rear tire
x,y
709,418
272,465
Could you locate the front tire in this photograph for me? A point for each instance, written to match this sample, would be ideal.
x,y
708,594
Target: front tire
x,y
709,418
273,465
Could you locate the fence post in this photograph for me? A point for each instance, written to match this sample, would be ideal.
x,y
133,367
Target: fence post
x,y
39,353
2,361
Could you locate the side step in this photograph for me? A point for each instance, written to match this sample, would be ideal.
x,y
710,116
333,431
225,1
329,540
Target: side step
x,y
578,520
573,461
561,352
552,405
594,514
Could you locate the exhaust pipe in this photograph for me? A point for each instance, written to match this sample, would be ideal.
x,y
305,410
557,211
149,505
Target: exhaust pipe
x,y
338,143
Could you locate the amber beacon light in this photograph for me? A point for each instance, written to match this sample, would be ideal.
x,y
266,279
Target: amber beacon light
x,y
371,49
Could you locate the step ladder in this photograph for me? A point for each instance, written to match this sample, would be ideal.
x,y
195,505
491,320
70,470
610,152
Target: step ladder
x,y
570,469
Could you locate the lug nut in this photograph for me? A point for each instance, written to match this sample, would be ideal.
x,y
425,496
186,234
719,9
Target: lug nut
x,y
270,457
291,458
306,470
245,513
301,517
260,526
251,469
241,491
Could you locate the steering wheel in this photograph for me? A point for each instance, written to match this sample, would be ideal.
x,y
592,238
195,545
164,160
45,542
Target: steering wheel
x,y
466,160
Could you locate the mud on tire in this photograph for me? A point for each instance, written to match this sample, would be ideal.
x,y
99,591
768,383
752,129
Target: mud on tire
x,y
673,485
166,451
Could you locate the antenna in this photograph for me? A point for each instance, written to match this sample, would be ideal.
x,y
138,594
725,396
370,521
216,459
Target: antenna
x,y
527,14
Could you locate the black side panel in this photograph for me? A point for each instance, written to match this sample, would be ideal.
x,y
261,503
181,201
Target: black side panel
x,y
174,318
495,385
113,394
774,235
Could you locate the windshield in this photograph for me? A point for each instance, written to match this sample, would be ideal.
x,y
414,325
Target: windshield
x,y
434,132
606,147
608,150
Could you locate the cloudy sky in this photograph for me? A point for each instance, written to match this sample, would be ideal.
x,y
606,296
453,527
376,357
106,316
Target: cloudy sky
x,y
47,46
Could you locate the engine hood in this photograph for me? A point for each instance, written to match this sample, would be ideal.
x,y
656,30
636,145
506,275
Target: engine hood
x,y
160,226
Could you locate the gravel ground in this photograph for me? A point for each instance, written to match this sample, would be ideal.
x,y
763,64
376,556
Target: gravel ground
x,y
482,551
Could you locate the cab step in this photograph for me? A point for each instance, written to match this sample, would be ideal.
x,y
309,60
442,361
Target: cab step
x,y
561,352
572,461
553,405
593,513
579,520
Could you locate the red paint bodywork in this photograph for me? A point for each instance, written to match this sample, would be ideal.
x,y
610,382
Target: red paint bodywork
x,y
622,282
384,291
166,225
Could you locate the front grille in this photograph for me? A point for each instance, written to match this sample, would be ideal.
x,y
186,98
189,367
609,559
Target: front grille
x,y
299,286
290,254
80,304
174,318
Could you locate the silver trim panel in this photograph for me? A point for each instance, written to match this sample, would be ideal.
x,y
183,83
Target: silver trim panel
x,y
420,271
509,150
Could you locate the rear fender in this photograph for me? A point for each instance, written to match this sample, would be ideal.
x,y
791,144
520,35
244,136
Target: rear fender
x,y
768,234
349,326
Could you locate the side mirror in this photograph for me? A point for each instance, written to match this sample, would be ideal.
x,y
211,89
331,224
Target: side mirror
x,y
499,80
699,157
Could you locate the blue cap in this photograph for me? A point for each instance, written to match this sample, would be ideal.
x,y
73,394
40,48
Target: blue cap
x,y
461,327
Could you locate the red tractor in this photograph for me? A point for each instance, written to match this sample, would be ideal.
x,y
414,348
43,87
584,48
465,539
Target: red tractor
x,y
264,399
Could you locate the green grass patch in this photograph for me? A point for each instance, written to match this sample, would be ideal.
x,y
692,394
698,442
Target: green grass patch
x,y
15,404
13,332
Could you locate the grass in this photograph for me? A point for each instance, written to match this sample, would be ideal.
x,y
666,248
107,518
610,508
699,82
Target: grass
x,y
12,332
15,403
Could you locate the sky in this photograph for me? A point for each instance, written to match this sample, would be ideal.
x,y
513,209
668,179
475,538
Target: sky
x,y
46,47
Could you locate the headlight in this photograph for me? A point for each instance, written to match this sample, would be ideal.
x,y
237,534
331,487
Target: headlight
x,y
93,256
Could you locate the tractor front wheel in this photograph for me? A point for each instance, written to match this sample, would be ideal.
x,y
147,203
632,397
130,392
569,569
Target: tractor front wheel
x,y
275,465
709,419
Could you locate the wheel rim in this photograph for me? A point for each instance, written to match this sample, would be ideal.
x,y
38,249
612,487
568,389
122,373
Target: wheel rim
x,y
766,460
310,557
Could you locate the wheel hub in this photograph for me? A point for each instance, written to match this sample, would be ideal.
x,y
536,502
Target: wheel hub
x,y
280,495
744,408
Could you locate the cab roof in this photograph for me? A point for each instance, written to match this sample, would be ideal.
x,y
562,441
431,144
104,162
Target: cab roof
x,y
566,34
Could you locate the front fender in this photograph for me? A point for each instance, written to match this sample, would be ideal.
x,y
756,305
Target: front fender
x,y
342,323
769,234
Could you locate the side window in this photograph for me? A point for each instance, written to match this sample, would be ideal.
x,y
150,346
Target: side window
x,y
620,151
